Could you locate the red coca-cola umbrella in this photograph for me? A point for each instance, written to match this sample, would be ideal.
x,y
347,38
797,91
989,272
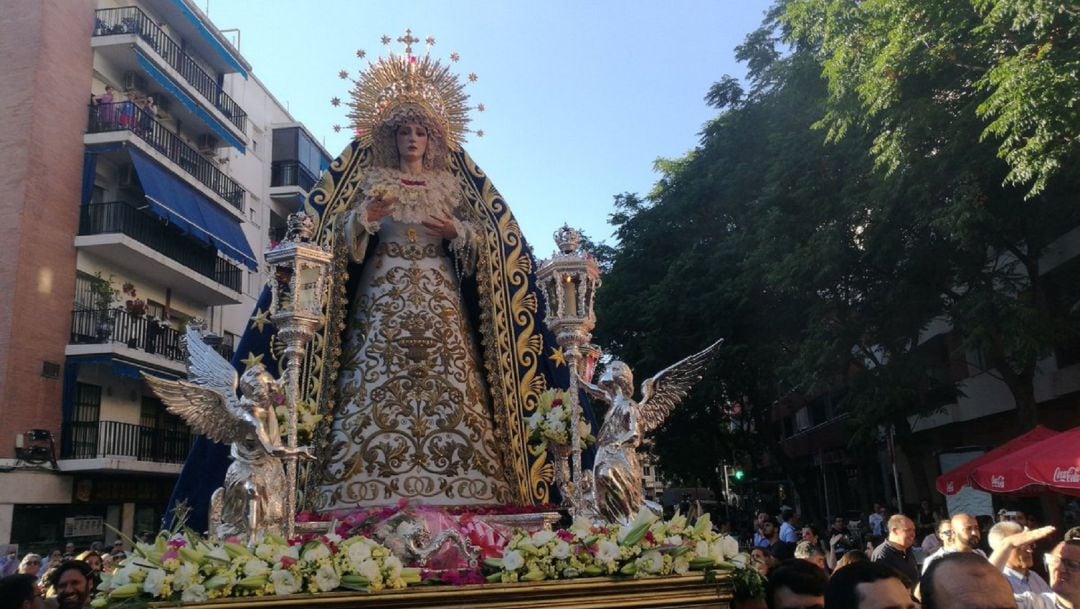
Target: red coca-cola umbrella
x,y
1053,463
951,482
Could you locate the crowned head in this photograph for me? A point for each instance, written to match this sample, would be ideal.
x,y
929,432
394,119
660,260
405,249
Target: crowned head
x,y
384,143
405,88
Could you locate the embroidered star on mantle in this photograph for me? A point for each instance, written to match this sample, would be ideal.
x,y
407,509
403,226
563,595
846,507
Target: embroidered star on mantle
x,y
558,357
251,360
260,319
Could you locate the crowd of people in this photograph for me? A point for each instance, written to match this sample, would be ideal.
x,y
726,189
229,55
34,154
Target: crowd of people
x,y
65,578
964,563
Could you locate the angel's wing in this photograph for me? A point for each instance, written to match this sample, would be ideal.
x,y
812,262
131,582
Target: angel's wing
x,y
206,367
205,410
663,392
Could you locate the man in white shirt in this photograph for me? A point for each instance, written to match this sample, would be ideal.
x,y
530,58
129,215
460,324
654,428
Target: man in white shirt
x,y
1063,563
1018,566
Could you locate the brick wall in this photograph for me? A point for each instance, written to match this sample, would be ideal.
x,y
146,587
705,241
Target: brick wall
x,y
45,76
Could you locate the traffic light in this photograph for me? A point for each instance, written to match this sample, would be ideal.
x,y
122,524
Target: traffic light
x,y
739,475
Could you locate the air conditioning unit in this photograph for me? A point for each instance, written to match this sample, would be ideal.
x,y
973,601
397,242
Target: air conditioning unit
x,y
134,81
207,143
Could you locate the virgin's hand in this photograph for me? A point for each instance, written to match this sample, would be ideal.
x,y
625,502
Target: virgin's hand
x,y
380,206
441,226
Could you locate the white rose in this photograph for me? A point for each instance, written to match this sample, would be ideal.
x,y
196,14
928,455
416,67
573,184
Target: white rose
x,y
561,551
370,569
155,581
326,578
651,562
255,567
681,565
185,576
265,551
393,566
357,553
194,594
674,540
284,582
540,538
607,551
316,553
513,560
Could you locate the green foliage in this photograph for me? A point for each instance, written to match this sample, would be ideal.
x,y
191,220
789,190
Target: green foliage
x,y
823,272
891,63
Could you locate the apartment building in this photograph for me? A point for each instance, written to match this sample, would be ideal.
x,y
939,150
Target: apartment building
x,y
144,169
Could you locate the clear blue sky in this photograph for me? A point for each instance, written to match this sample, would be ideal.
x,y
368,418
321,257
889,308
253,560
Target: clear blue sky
x,y
582,97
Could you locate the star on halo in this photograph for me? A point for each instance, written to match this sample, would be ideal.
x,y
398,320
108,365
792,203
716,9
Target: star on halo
x,y
251,360
558,357
260,319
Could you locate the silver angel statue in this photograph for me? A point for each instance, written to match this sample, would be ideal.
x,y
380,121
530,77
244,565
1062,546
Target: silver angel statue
x,y
252,500
617,476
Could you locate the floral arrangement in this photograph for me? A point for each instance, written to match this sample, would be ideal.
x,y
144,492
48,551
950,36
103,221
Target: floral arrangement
x,y
188,568
307,419
551,422
648,547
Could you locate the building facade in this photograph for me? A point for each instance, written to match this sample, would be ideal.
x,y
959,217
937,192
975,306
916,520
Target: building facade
x,y
145,170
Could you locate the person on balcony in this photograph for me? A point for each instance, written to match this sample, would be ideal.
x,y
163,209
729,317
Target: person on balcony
x,y
105,112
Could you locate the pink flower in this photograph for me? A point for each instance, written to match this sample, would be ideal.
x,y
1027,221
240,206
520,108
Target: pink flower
x,y
287,562
170,554
177,543
565,535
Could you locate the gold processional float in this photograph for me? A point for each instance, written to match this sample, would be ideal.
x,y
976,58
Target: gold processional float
x,y
387,213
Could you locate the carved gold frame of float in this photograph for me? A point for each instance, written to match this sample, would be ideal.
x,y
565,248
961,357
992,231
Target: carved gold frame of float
x,y
591,593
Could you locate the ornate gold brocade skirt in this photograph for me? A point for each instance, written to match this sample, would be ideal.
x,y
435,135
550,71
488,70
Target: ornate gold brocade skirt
x,y
413,419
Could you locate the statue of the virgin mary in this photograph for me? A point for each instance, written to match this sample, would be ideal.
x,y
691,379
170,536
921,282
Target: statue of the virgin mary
x,y
435,349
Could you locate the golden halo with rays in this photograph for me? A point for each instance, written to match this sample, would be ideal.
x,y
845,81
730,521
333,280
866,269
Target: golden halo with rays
x,y
407,79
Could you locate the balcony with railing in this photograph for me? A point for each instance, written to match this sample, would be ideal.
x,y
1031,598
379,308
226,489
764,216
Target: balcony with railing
x,y
128,116
291,173
132,20
134,331
124,218
112,439
100,326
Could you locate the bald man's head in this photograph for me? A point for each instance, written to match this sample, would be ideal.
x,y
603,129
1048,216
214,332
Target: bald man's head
x,y
966,533
965,580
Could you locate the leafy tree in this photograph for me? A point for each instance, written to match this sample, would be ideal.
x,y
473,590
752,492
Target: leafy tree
x,y
1012,63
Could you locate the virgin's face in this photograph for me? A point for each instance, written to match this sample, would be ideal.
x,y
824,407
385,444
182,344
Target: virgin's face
x,y
412,141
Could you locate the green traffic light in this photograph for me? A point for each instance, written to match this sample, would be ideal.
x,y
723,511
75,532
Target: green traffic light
x,y
739,474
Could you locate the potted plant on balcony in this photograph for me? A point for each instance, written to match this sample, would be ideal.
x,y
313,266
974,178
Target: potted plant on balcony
x,y
103,296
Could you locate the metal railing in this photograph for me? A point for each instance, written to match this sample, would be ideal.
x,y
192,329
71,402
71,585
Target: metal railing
x,y
128,116
135,330
291,173
120,326
131,20
122,217
98,439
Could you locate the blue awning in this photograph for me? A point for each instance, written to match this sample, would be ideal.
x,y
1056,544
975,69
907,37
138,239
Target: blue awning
x,y
121,367
181,96
210,39
174,200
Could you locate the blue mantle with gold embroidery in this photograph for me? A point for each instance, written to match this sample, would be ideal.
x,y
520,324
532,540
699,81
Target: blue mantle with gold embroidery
x,y
519,354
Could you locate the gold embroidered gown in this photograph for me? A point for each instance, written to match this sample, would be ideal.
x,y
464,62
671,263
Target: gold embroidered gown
x,y
413,419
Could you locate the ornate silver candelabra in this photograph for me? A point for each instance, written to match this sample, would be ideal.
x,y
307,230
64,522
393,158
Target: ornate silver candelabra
x,y
298,284
569,280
